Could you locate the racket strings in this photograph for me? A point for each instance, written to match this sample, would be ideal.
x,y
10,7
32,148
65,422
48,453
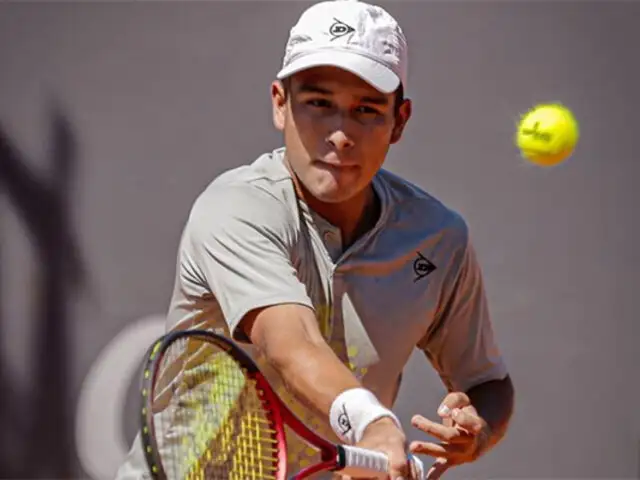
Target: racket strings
x,y
211,419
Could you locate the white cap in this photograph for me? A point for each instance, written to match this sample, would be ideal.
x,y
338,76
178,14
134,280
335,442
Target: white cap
x,y
355,36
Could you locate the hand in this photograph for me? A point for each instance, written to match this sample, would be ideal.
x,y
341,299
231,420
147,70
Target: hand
x,y
384,436
463,435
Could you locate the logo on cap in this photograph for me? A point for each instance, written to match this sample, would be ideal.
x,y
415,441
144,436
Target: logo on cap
x,y
339,29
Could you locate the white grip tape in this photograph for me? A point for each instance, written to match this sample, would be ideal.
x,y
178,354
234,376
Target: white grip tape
x,y
362,462
353,410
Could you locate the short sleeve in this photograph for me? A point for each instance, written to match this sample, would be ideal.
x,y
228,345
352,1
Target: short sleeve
x,y
461,344
237,244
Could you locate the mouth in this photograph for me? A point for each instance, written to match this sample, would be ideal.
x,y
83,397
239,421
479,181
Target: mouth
x,y
337,169
338,165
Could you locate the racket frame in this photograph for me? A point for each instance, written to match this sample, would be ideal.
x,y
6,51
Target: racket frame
x,y
332,456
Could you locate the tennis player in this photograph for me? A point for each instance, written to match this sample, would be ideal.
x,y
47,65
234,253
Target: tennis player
x,y
331,270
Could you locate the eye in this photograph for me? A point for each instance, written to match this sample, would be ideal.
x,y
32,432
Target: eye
x,y
319,103
366,110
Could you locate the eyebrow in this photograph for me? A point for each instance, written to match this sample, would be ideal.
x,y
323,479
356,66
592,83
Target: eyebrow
x,y
310,88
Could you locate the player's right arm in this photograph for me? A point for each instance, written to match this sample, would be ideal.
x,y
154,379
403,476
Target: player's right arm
x,y
237,244
289,337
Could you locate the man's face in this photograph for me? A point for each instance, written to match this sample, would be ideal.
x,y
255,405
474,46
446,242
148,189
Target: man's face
x,y
337,130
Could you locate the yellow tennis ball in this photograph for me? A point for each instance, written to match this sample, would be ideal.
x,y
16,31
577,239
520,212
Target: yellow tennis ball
x,y
547,134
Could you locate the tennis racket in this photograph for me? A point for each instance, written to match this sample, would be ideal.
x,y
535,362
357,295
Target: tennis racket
x,y
209,413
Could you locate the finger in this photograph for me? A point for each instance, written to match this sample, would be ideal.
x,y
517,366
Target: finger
x,y
441,432
437,469
451,401
467,420
449,452
471,409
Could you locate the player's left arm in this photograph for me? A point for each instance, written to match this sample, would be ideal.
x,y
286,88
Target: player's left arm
x,y
462,348
494,401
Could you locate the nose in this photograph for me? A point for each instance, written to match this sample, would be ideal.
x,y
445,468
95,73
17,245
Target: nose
x,y
339,140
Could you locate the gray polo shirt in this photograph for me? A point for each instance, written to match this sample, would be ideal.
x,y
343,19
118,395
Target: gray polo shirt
x,y
412,281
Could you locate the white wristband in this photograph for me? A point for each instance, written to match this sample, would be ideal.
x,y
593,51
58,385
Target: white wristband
x,y
353,410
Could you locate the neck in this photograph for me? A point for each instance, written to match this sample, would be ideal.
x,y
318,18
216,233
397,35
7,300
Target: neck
x,y
354,217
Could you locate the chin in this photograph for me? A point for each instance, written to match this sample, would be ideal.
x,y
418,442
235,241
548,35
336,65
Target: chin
x,y
333,195
330,188
331,198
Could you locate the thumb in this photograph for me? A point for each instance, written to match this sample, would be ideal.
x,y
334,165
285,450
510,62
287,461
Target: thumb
x,y
451,401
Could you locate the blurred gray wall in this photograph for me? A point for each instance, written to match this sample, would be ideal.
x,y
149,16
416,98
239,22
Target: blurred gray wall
x,y
114,116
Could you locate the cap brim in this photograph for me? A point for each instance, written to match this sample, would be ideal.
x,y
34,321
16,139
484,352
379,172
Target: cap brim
x,y
374,73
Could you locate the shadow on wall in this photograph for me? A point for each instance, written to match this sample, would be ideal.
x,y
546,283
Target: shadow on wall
x,y
36,439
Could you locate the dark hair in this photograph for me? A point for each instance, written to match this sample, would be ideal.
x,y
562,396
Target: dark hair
x,y
399,93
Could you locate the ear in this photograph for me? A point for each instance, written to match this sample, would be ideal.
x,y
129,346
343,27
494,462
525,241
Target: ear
x,y
402,117
279,104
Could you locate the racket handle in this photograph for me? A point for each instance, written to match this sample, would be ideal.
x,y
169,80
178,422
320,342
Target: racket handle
x,y
356,459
